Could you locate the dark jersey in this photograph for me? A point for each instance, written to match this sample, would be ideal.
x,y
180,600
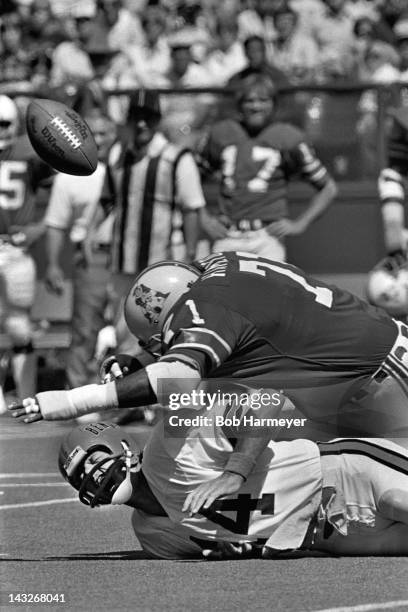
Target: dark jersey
x,y
253,318
255,170
22,173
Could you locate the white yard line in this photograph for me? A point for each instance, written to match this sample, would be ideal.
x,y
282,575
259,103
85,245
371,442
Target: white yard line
x,y
39,503
29,474
387,605
34,484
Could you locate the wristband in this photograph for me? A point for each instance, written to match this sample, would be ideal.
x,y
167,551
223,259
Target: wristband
x,y
240,463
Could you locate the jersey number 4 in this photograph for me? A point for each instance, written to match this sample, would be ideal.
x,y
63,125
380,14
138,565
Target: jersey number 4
x,y
243,505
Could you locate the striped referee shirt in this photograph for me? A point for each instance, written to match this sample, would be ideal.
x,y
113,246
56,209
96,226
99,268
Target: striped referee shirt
x,y
149,197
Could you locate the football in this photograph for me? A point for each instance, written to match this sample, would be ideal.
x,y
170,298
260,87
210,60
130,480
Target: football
x,y
61,137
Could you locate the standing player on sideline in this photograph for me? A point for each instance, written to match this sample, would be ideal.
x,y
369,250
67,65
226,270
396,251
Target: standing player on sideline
x,y
346,496
387,284
246,318
257,158
21,173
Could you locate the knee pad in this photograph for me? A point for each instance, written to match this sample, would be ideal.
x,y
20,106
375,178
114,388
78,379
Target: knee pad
x,y
19,329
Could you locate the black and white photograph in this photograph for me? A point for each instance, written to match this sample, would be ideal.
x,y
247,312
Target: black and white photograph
x,y
204,305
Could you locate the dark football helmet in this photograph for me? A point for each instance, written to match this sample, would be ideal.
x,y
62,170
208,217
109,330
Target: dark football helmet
x,y
96,460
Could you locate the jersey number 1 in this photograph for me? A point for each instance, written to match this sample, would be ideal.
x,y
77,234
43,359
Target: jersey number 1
x,y
323,295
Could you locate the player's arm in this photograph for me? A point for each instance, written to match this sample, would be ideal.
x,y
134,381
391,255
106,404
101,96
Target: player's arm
x,y
190,197
54,244
193,352
302,160
57,220
249,446
392,194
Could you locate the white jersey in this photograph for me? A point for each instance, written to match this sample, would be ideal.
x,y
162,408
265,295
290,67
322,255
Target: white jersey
x,y
278,500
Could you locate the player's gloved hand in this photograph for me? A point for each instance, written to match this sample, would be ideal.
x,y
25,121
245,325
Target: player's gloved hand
x,y
29,409
228,550
286,227
226,484
118,366
105,342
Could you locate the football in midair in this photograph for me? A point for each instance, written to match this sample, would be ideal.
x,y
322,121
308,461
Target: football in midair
x,y
61,137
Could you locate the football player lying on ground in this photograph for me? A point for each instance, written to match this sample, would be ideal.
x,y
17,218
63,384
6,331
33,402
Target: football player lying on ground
x,y
239,316
346,496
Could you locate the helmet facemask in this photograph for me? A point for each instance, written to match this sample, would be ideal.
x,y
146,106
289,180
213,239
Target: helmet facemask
x,y
96,459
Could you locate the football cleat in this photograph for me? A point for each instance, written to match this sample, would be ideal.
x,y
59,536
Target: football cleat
x,y
97,460
154,293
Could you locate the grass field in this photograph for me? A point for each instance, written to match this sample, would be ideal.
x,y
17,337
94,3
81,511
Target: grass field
x,y
53,544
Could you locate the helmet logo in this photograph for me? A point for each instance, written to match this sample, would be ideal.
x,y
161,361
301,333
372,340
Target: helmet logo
x,y
150,302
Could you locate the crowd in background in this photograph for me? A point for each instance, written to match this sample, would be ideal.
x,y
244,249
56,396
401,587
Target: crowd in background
x,y
199,43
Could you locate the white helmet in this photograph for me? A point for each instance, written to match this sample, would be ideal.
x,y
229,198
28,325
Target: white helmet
x,y
8,121
154,293
389,290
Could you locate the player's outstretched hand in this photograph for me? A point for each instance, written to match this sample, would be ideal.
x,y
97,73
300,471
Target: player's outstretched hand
x,y
228,550
28,411
226,484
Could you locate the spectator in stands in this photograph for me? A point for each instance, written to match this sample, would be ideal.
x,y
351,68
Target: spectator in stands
x,y
22,174
70,61
364,36
14,64
401,33
149,59
390,12
255,51
41,33
152,185
115,26
71,212
334,36
256,157
185,114
258,21
294,52
228,56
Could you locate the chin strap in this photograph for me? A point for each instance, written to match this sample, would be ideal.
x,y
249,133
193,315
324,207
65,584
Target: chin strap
x,y
124,491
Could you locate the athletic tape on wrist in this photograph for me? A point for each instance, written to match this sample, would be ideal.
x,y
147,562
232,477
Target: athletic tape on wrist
x,y
56,405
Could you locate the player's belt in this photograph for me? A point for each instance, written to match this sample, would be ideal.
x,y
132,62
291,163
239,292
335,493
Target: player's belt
x,y
101,247
246,225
